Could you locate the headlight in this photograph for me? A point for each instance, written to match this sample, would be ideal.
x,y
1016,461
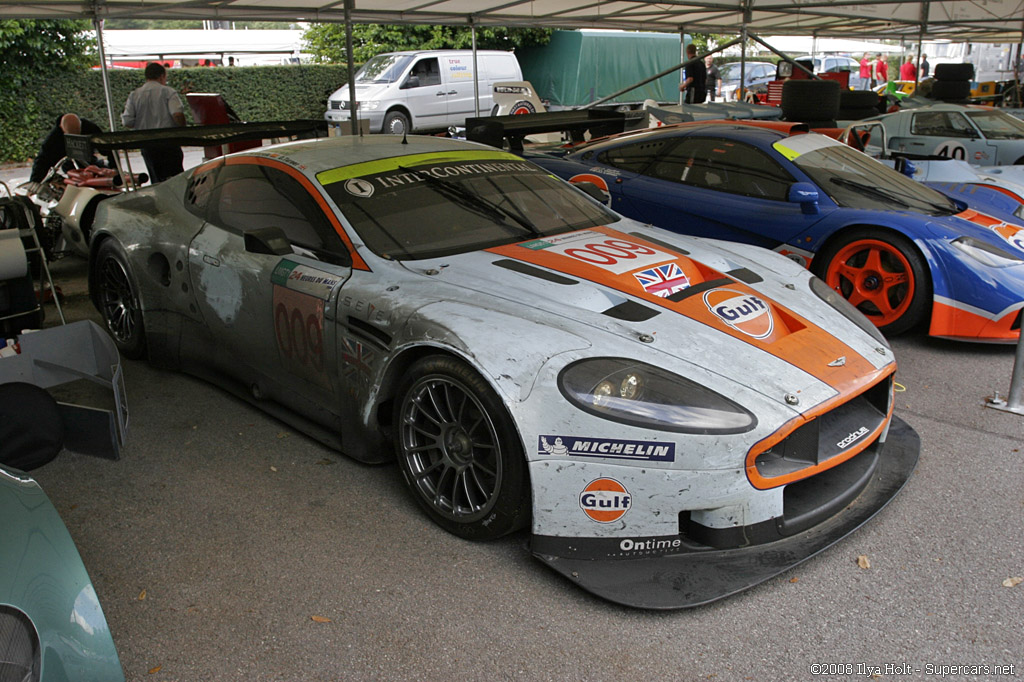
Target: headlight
x,y
987,254
369,104
642,395
844,307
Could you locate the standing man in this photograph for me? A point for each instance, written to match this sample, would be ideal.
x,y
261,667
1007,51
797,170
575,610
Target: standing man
x,y
908,72
155,105
865,72
925,66
694,86
881,70
714,83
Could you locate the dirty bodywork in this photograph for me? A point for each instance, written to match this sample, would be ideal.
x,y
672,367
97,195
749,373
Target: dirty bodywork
x,y
645,402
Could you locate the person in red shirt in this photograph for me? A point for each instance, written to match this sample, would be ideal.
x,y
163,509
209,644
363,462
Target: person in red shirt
x,y
881,70
908,72
865,71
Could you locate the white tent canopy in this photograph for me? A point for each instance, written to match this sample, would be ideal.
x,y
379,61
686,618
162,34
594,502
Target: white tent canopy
x,y
974,20
141,44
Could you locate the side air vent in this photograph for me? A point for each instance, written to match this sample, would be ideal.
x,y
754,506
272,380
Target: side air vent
x,y
631,311
525,269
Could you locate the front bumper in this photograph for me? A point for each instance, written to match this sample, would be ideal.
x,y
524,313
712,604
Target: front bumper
x,y
673,573
340,117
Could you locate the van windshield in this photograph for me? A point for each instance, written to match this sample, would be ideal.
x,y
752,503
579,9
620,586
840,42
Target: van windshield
x,y
384,68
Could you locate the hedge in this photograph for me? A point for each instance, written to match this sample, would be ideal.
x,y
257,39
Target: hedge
x,y
256,93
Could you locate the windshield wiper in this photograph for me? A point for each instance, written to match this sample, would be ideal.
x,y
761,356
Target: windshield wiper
x,y
474,202
869,189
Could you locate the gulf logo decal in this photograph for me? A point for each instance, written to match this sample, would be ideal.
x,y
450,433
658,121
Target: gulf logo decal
x,y
743,312
597,180
1012,234
605,500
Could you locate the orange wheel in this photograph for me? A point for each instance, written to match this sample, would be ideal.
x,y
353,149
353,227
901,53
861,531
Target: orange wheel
x,y
881,275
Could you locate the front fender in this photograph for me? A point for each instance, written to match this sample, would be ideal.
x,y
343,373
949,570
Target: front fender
x,y
509,351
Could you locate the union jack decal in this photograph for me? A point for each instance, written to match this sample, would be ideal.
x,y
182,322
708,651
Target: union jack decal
x,y
663,280
357,357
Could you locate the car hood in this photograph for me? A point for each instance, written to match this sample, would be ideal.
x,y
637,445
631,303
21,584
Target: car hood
x,y
364,91
648,291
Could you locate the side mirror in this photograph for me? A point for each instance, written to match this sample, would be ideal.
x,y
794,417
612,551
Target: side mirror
x,y
270,241
410,82
805,194
594,192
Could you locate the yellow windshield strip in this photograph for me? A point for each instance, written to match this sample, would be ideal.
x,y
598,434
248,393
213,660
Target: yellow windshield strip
x,y
384,165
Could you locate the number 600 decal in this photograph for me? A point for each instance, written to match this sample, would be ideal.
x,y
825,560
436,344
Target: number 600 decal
x,y
616,255
299,336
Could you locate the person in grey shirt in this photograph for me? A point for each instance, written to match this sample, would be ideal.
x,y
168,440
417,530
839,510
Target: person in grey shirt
x,y
155,105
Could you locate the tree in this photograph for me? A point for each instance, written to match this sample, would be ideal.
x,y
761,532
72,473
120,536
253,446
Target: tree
x,y
29,46
326,42
29,50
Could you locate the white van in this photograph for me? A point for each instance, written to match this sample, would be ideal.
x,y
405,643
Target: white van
x,y
403,92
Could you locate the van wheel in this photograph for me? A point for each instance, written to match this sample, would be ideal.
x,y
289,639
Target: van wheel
x,y
396,123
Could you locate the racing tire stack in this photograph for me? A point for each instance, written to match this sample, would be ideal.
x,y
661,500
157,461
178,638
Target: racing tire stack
x,y
855,105
814,102
952,82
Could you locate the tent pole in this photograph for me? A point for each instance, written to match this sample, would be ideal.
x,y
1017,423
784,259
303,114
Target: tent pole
x,y
741,92
353,105
476,70
98,24
682,58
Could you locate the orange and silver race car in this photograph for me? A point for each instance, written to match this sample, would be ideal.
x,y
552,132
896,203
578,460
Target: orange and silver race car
x,y
673,419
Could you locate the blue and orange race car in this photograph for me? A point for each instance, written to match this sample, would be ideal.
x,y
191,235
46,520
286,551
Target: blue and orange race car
x,y
903,253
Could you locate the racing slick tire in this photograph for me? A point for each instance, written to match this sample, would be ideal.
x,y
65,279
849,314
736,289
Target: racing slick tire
x,y
117,297
858,99
458,450
880,273
951,91
856,114
954,72
395,123
810,100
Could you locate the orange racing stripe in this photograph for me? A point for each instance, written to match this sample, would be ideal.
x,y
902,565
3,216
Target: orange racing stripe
x,y
614,259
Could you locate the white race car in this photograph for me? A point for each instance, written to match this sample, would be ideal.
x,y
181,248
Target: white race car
x,y
675,419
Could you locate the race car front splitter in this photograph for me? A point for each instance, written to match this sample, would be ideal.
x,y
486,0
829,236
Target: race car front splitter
x,y
680,576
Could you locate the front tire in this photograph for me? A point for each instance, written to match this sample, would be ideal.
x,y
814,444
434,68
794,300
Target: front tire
x,y
117,297
395,123
881,274
459,451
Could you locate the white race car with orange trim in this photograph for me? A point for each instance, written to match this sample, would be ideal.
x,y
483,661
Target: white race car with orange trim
x,y
675,419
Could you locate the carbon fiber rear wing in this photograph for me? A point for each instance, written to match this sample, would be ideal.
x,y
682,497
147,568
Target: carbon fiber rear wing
x,y
494,130
81,147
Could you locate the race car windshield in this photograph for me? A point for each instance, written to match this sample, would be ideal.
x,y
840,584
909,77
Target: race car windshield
x,y
997,125
384,68
854,180
413,208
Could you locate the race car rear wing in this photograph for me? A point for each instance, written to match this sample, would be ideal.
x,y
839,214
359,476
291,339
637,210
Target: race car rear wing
x,y
494,130
81,147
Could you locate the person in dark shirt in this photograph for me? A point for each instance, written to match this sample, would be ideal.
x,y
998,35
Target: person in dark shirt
x,y
53,150
694,86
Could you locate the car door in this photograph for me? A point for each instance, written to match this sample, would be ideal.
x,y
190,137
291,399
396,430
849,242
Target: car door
x,y
457,78
266,270
426,94
720,188
946,133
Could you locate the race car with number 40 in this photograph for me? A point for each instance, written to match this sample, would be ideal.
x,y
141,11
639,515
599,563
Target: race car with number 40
x,y
675,420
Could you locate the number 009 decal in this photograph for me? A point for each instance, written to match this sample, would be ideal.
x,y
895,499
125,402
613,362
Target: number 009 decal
x,y
299,329
615,255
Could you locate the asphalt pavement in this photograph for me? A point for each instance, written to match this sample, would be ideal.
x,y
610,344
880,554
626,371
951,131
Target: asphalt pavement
x,y
225,546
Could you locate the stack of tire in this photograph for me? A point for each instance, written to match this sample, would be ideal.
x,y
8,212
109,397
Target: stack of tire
x,y
814,102
952,82
855,105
